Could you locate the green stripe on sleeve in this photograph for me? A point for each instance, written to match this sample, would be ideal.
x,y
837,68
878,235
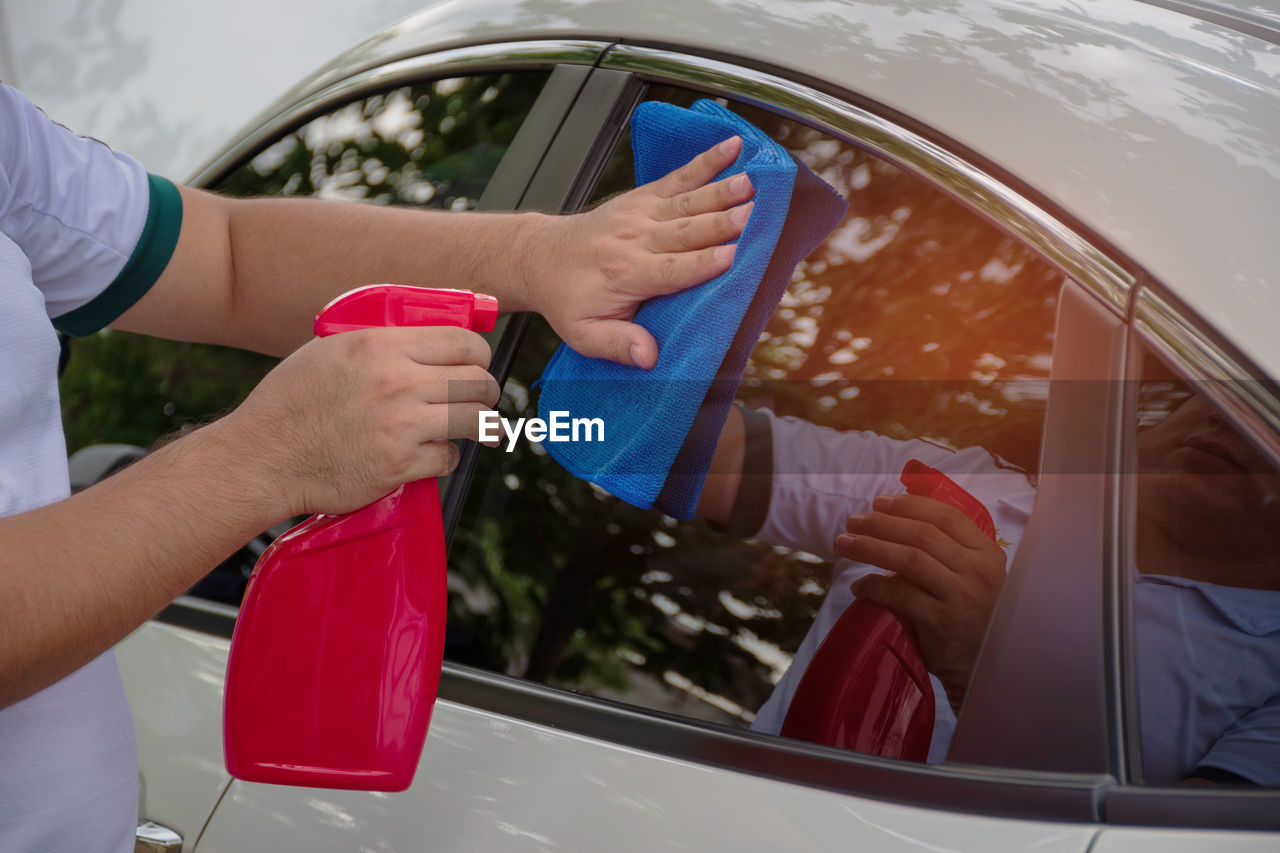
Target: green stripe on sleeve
x,y
150,257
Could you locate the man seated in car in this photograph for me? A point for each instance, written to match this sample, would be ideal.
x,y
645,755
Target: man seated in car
x,y
1207,594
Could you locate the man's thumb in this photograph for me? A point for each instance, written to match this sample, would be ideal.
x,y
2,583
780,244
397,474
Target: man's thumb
x,y
617,340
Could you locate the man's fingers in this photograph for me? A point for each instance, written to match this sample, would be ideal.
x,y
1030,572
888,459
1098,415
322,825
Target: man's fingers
x,y
945,517
699,170
699,232
457,420
459,383
435,459
436,345
904,598
616,340
673,272
721,195
901,530
912,563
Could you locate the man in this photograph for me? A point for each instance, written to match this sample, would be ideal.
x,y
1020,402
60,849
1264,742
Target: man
x,y
88,239
1206,585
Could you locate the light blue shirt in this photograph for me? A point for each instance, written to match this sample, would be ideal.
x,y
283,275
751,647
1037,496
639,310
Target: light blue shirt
x,y
1208,667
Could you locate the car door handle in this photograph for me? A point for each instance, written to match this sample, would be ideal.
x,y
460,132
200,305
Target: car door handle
x,y
154,838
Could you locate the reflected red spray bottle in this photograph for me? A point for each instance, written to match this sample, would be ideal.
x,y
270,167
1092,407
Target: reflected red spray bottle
x,y
866,688
336,655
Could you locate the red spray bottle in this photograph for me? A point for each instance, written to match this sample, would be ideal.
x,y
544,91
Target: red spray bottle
x,y
337,651
866,688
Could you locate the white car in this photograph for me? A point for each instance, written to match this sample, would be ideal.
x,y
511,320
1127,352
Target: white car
x,y
1062,228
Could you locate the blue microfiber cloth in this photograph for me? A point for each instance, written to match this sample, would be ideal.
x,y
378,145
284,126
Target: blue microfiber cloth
x,y
661,426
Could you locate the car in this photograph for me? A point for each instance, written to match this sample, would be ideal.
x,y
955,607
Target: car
x,y
1058,245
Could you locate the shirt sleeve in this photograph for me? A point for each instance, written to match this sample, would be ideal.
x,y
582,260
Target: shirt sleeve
x,y
821,476
1250,749
95,227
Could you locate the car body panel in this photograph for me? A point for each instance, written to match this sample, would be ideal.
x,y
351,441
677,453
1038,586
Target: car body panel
x,y
1148,840
489,782
173,677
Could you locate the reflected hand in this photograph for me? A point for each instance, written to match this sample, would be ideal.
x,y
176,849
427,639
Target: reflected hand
x,y
592,270
946,577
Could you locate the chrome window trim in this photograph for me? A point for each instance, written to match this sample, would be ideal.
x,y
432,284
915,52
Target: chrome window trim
x,y
294,109
1231,384
1057,243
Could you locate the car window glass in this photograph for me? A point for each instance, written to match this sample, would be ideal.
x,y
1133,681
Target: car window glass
x,y
1205,589
916,330
433,144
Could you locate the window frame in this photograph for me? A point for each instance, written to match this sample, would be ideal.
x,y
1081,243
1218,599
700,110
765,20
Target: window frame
x,y
303,104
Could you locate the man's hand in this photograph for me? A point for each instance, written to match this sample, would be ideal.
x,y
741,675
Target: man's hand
x,y
348,418
590,272
947,576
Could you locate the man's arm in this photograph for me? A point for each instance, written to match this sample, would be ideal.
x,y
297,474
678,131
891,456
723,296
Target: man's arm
x,y
343,420
724,478
253,273
338,424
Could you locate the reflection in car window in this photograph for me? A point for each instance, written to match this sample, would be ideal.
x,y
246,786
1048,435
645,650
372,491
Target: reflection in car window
x,y
430,145
1205,590
916,330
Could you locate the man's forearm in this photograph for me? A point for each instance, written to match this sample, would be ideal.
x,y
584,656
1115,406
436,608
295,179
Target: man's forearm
x,y
353,245
724,478
254,274
80,574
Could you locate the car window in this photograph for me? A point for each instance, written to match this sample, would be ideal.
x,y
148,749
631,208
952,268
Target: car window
x,y
434,144
917,330
1204,585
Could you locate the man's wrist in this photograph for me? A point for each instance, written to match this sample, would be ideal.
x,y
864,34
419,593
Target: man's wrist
x,y
535,243
244,467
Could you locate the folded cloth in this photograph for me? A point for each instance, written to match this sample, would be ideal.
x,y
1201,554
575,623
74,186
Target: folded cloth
x,y
661,426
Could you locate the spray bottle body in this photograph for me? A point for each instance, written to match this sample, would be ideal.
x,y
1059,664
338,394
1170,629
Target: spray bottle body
x,y
337,652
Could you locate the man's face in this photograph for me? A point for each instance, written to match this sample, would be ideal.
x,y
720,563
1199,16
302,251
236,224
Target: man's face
x,y
1206,486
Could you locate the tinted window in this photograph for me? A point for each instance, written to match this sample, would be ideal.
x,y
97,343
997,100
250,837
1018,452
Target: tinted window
x,y
430,145
916,321
1205,586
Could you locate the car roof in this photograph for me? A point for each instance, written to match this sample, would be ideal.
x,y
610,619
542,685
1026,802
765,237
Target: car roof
x,y
1155,124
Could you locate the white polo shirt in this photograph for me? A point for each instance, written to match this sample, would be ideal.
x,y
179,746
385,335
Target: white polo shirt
x,y
84,232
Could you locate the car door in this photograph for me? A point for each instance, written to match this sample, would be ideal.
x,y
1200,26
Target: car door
x,y
638,714
582,721
507,753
